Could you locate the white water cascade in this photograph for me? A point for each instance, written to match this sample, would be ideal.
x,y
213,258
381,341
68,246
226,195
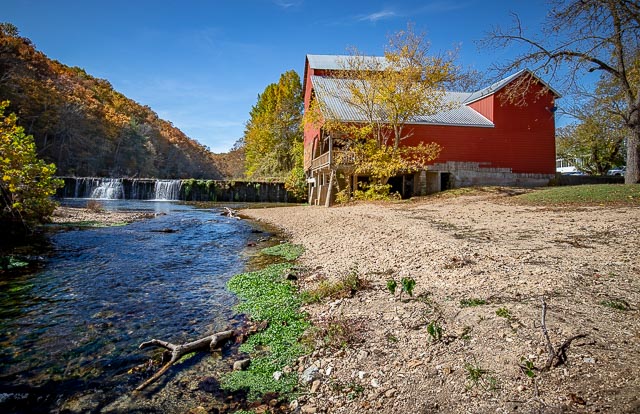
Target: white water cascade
x,y
167,189
107,189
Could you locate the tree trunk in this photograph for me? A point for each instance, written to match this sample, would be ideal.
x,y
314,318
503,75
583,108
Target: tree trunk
x,y
632,174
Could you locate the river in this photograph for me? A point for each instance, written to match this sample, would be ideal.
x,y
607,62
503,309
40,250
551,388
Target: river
x,y
69,332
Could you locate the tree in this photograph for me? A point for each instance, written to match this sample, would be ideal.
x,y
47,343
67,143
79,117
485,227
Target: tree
x,y
387,94
296,182
598,139
26,182
582,36
273,129
593,142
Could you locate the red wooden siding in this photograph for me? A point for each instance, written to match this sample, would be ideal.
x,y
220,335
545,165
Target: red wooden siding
x,y
484,106
523,138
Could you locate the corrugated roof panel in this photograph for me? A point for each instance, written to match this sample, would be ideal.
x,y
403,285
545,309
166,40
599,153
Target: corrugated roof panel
x,y
337,62
491,89
334,93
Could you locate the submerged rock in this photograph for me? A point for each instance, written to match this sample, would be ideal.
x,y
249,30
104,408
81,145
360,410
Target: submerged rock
x,y
241,365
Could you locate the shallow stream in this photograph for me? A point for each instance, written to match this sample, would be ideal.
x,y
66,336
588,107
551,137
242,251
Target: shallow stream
x,y
69,332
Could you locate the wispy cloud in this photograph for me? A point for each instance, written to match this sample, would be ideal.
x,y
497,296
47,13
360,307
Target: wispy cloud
x,y
285,4
380,15
432,7
442,7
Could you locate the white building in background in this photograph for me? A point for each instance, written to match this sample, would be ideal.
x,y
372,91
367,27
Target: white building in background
x,y
565,165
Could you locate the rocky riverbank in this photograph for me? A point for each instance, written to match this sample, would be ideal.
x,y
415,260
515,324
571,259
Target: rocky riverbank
x,y
470,337
95,216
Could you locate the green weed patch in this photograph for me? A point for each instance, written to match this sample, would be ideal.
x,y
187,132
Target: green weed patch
x,y
471,302
10,263
267,296
287,251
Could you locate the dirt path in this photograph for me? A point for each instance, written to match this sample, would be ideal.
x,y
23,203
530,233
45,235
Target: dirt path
x,y
583,260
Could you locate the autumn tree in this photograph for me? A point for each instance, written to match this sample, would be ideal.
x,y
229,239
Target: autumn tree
x,y
26,182
598,137
583,36
273,129
385,94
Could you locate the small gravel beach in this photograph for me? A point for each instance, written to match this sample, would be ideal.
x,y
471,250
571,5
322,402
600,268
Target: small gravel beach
x,y
482,265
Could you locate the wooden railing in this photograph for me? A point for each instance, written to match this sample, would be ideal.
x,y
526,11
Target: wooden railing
x,y
323,160
320,161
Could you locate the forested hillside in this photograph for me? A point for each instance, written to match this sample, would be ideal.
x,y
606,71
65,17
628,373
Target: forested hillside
x,y
86,127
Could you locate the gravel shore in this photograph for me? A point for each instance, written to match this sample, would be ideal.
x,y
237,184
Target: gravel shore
x,y
465,251
86,216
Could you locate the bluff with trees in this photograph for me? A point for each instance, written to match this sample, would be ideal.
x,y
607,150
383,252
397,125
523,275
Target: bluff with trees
x,y
85,127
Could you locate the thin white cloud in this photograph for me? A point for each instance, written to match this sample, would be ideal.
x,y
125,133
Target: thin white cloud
x,y
432,7
285,4
442,7
380,15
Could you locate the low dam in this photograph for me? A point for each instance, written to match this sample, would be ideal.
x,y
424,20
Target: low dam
x,y
179,190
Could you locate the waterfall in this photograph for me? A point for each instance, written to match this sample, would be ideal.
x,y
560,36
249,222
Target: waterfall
x,y
106,189
171,190
167,189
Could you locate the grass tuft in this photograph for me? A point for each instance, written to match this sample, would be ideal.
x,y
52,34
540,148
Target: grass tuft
x,y
618,304
335,332
345,287
503,313
479,377
468,303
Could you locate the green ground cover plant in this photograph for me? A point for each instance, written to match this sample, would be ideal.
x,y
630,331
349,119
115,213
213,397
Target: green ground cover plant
x,y
503,313
287,251
479,377
267,296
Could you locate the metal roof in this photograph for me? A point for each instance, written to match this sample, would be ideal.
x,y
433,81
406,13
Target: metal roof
x,y
491,89
339,62
334,94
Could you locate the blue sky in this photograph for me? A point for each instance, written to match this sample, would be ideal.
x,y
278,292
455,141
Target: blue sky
x,y
201,64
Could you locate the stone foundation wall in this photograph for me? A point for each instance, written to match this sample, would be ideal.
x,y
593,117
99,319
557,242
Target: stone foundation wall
x,y
469,174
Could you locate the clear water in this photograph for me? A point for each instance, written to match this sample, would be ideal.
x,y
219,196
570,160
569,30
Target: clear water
x,y
76,324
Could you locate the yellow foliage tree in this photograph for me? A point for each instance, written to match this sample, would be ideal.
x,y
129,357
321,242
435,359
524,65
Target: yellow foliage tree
x,y
26,182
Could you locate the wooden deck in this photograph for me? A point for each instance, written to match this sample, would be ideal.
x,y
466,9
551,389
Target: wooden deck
x,y
326,159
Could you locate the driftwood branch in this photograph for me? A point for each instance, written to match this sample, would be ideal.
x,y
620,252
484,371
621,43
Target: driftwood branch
x,y
177,351
558,356
230,213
